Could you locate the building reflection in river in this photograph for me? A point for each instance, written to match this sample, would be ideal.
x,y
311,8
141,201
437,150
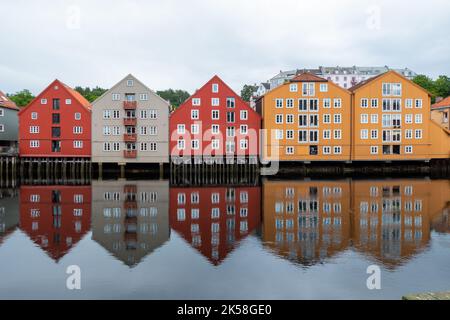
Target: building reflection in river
x,y
130,218
55,217
308,221
9,212
214,219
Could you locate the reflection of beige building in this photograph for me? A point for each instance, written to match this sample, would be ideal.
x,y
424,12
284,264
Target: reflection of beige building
x,y
130,218
391,220
130,124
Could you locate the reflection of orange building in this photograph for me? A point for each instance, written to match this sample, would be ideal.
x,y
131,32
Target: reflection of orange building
x,y
306,221
214,219
55,217
388,219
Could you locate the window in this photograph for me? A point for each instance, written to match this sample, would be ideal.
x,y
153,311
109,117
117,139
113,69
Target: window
x,y
143,130
116,146
244,114
77,116
243,129
302,135
215,102
230,146
279,118
364,134
418,103
195,129
153,114
78,144
326,118
293,87
116,114
374,103
327,103
68,101
313,136
337,118
324,87
303,120
279,103
196,101
143,96
43,101
34,115
77,130
116,130
408,134
106,130
55,118
337,134
289,134
313,105
392,89
373,134
215,114
116,96
34,129
418,134
34,143
55,104
215,88
289,150
364,103
278,134
230,132
215,129
289,103
181,144
143,114
308,89
364,118
130,83
215,144
374,118
243,143
194,114
181,129
326,134
408,103
231,102
418,118
326,150
230,116
408,118
106,146
337,103
408,149
337,150
373,150
153,146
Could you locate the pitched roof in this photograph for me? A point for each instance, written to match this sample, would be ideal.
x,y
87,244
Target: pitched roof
x,y
307,77
5,102
363,83
443,103
82,100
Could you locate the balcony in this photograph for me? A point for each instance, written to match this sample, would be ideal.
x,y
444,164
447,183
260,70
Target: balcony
x,y
129,121
130,137
130,154
129,105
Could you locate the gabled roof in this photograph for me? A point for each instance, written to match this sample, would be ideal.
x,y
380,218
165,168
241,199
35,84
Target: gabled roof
x,y
5,102
368,81
443,103
307,77
75,94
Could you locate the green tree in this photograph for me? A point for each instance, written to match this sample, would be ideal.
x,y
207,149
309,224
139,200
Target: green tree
x,y
21,98
424,81
247,92
442,87
90,94
175,97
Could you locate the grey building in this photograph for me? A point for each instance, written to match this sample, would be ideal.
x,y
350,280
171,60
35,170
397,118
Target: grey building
x,y
130,219
9,126
130,124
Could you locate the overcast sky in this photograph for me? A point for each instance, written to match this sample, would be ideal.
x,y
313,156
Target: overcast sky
x,y
182,44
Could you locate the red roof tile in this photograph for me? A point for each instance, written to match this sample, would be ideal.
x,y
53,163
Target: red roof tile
x,y
308,77
5,102
443,103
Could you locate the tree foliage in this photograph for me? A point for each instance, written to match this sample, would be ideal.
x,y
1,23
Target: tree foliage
x,y
21,98
90,94
247,92
175,97
438,88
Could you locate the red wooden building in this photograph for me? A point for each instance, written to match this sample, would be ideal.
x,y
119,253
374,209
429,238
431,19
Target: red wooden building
x,y
214,123
57,123
215,219
55,217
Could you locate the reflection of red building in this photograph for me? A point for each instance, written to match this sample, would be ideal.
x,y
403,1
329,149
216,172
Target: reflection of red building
x,y
214,219
55,217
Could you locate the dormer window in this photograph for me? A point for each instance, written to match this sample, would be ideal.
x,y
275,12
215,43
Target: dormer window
x,y
130,83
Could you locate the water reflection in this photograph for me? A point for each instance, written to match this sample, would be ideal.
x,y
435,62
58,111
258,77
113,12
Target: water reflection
x,y
9,213
389,220
55,217
214,219
130,217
